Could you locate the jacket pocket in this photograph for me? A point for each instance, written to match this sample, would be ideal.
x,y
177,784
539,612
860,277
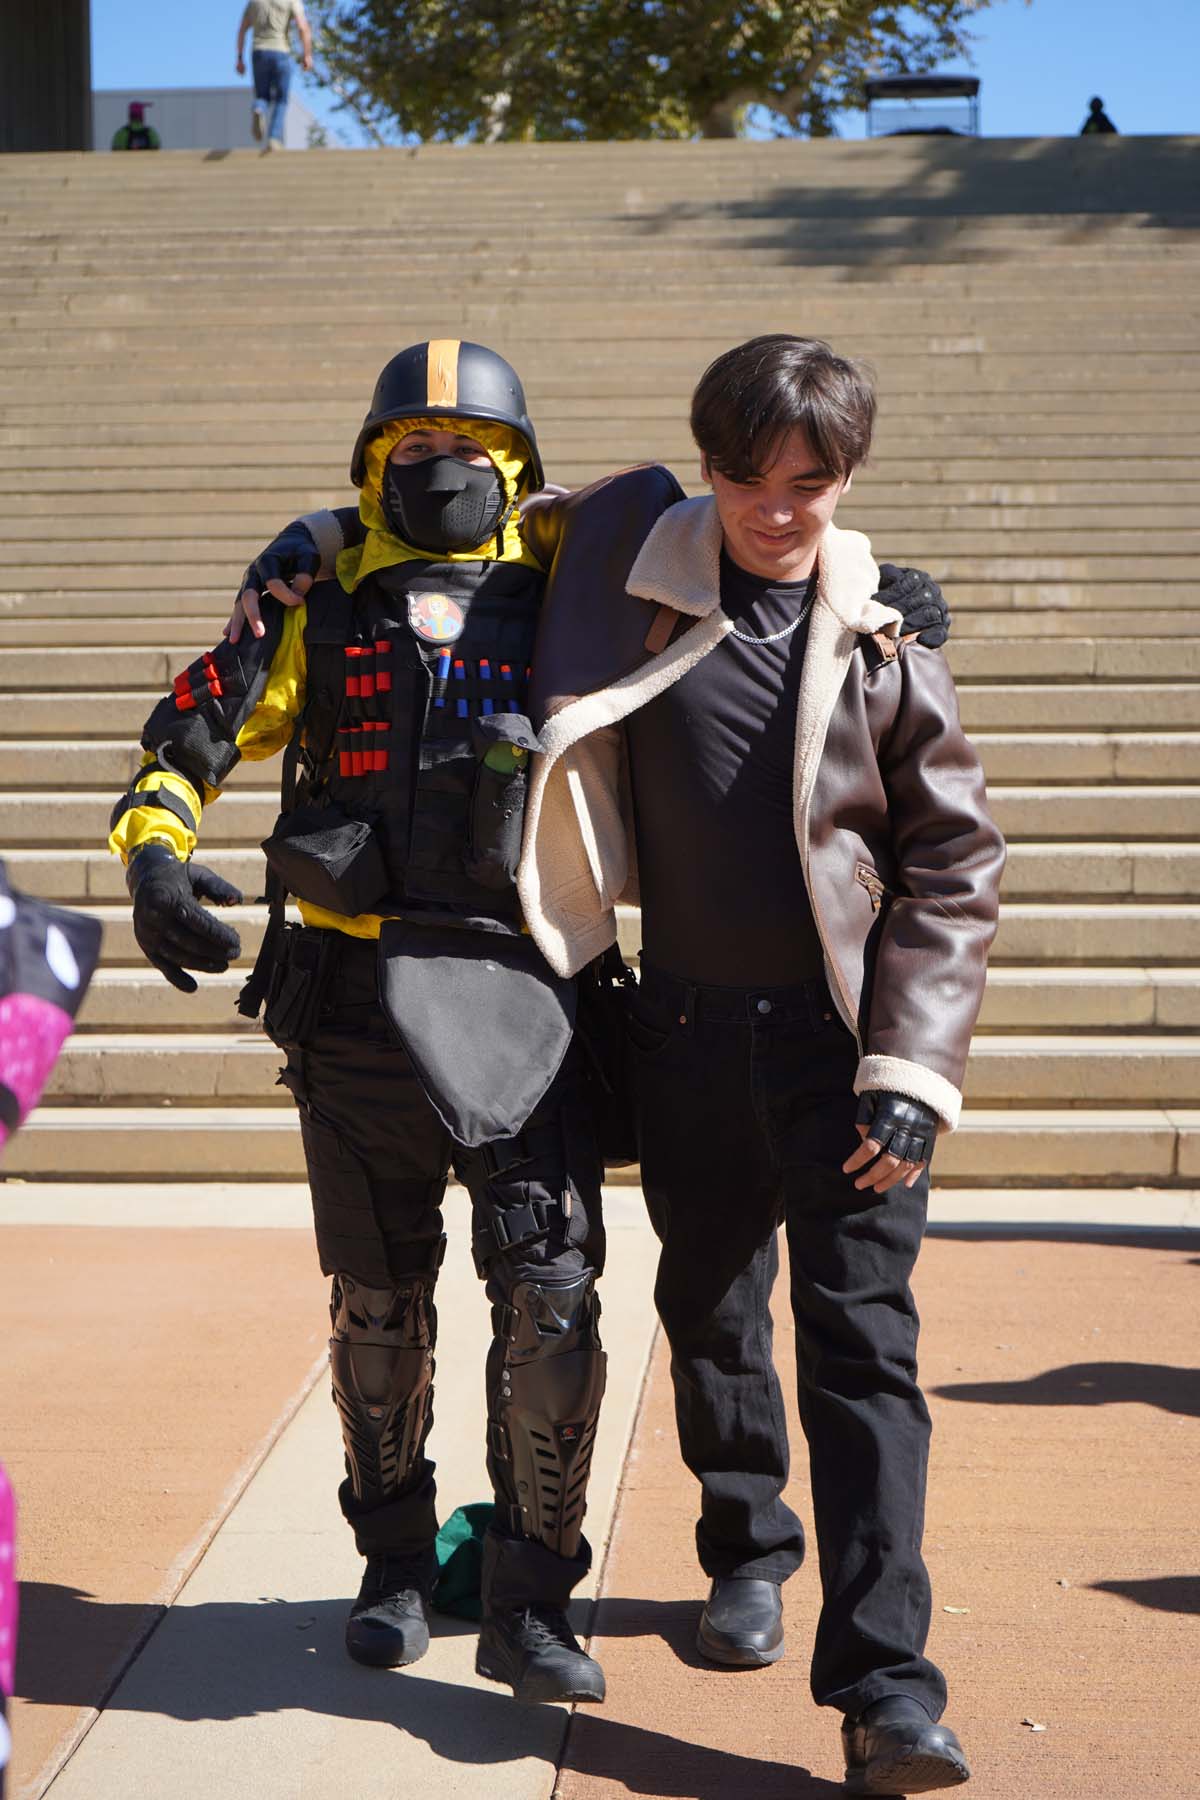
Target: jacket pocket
x,y
502,743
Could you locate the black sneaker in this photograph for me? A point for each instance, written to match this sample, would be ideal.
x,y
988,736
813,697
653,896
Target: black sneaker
x,y
895,1748
388,1625
535,1651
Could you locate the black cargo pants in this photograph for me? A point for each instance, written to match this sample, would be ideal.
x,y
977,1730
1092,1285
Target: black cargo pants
x,y
378,1161
746,1114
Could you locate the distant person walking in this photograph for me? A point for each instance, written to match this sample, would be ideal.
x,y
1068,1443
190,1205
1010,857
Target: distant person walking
x,y
135,134
270,21
1097,119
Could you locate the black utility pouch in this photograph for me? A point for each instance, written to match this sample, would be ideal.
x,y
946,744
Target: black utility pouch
x,y
502,742
302,968
327,859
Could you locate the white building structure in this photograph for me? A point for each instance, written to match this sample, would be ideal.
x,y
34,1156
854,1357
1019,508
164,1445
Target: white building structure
x,y
201,118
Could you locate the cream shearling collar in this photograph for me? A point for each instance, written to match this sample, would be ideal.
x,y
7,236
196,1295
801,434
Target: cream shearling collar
x,y
679,565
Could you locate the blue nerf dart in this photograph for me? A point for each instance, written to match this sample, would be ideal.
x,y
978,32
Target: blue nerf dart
x,y
485,674
441,677
460,674
506,675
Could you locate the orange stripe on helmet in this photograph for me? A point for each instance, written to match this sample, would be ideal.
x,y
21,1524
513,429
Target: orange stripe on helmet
x,y
441,371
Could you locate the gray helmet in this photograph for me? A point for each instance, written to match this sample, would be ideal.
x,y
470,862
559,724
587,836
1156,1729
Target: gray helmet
x,y
453,379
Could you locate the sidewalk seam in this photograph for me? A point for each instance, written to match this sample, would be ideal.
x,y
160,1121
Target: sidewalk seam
x,y
634,1422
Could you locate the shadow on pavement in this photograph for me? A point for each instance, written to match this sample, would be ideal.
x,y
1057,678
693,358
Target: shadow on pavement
x,y
1163,1593
674,1621
1118,1237
650,1762
226,1661
1090,1384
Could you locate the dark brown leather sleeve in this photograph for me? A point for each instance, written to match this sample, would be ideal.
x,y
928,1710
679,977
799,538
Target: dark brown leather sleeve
x,y
592,631
932,955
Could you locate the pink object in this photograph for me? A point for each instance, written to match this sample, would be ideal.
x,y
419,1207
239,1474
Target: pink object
x,y
8,1584
32,1032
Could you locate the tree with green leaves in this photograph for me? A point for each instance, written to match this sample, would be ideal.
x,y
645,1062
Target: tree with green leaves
x,y
545,69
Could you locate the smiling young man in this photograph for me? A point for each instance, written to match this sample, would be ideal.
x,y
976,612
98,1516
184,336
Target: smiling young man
x,y
735,736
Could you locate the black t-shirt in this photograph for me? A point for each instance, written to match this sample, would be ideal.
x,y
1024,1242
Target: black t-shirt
x,y
712,760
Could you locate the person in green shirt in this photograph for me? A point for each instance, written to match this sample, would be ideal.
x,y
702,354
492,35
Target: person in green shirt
x,y
135,134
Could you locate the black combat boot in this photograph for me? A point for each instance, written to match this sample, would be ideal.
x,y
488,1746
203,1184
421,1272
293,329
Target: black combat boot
x,y
894,1747
388,1625
525,1639
534,1649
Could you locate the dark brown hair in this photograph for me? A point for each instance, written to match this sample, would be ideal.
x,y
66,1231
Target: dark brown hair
x,y
752,396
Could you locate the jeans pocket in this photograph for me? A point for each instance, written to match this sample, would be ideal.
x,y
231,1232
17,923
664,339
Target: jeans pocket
x,y
649,1030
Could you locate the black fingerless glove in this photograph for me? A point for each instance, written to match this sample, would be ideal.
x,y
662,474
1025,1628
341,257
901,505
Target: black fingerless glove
x,y
171,927
919,598
900,1126
292,553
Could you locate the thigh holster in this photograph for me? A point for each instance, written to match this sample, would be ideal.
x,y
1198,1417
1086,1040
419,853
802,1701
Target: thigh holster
x,y
381,1356
545,1405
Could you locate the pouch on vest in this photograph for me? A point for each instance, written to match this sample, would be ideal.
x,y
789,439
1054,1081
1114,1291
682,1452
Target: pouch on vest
x,y
330,860
502,743
484,1019
299,976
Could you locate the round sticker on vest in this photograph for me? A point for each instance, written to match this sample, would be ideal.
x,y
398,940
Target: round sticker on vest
x,y
435,617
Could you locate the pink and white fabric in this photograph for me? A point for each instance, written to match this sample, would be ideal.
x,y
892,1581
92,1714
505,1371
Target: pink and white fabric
x,y
47,958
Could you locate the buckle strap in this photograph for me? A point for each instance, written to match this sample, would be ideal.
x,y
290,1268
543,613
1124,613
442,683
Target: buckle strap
x,y
514,1226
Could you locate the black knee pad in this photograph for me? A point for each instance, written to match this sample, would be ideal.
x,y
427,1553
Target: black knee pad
x,y
381,1357
545,1406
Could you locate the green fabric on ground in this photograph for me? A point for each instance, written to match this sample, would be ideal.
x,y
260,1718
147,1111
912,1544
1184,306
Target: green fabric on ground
x,y
460,1560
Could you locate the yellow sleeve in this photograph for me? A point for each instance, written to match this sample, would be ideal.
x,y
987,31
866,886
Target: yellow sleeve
x,y
174,818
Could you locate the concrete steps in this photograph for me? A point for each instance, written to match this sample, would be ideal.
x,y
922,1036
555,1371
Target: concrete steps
x,y
1021,999
1031,311
1038,1148
203,1068
1108,870
1015,757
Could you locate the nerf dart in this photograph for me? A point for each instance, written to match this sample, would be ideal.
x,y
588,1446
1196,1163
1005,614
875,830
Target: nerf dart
x,y
441,677
506,675
460,674
485,674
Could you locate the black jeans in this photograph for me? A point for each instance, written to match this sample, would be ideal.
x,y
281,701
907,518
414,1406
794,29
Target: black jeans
x,y
378,1160
746,1113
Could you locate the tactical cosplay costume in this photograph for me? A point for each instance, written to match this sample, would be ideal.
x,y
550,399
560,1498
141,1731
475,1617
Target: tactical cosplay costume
x,y
422,1028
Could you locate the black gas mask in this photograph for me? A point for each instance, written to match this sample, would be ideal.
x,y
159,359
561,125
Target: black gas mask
x,y
442,503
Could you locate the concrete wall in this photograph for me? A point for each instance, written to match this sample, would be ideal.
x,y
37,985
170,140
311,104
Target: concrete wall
x,y
45,75
209,118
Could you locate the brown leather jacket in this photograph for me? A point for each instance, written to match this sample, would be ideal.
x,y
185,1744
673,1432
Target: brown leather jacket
x,y
901,856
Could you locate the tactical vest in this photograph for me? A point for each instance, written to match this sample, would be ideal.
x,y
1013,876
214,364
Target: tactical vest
x,y
408,681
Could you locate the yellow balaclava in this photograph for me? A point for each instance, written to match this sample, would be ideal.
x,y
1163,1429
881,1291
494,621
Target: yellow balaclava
x,y
382,549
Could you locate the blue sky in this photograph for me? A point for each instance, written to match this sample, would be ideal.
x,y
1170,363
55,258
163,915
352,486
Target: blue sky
x,y
1038,63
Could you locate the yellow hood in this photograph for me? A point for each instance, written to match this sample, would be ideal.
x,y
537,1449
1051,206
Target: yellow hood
x,y
383,550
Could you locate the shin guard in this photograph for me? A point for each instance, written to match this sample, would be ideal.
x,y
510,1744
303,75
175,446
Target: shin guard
x,y
381,1356
546,1382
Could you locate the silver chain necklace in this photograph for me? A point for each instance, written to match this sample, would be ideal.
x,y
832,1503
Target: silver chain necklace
x,y
774,636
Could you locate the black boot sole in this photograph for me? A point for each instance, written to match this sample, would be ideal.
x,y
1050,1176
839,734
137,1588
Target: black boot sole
x,y
902,1774
536,1690
379,1648
720,1649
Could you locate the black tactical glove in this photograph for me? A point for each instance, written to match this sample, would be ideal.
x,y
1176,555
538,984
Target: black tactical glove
x,y
901,1127
919,598
292,553
169,923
